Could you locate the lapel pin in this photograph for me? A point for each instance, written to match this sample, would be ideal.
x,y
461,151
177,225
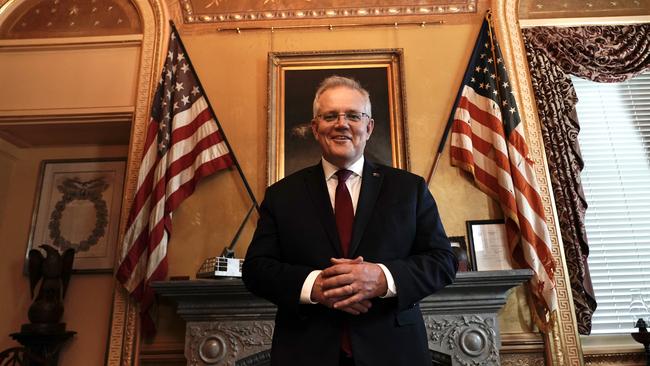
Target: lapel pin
x,y
375,174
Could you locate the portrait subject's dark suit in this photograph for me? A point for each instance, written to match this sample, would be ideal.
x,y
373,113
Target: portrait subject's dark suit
x,y
396,223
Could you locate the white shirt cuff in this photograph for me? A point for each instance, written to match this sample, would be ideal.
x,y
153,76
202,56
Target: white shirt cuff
x,y
392,288
305,293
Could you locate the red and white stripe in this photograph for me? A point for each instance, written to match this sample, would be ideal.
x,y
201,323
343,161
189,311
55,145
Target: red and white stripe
x,y
196,150
502,170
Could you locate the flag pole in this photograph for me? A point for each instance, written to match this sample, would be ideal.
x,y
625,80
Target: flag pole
x,y
441,146
223,134
443,139
229,251
445,135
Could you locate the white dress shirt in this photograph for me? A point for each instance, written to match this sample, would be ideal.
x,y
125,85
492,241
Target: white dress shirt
x,y
354,187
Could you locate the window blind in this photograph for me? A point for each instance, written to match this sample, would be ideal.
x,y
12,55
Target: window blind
x,y
615,144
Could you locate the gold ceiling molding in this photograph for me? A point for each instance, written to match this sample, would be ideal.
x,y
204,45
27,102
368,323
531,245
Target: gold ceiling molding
x,y
546,9
236,13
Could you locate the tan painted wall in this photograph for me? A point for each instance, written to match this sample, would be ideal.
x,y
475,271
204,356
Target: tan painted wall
x,y
88,300
67,77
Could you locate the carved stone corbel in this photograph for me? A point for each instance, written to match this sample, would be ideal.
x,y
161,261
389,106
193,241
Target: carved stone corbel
x,y
469,339
224,343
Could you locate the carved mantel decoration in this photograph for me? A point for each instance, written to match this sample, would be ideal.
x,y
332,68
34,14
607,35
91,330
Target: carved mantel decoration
x,y
228,326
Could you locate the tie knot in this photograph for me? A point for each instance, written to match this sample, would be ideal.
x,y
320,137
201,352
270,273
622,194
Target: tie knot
x,y
343,175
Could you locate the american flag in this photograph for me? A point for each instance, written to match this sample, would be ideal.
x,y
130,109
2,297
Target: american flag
x,y
183,144
488,141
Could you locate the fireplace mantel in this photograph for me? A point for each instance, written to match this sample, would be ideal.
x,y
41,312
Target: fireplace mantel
x,y
227,325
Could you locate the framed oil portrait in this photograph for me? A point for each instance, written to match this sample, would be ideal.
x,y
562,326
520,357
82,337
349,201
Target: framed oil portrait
x,y
77,206
488,245
294,78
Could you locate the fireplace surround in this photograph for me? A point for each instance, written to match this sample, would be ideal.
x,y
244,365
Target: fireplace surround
x,y
228,326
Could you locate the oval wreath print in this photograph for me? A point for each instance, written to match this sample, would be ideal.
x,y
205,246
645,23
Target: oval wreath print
x,y
74,189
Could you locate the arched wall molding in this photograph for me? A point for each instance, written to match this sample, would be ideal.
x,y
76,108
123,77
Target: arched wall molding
x,y
562,344
123,340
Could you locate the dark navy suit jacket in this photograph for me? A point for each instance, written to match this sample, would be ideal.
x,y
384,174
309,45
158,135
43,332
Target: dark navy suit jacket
x,y
396,224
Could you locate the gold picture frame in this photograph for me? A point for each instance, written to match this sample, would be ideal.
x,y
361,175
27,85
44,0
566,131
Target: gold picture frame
x,y
77,205
293,80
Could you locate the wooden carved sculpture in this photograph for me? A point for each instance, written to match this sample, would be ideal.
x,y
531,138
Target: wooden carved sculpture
x,y
53,272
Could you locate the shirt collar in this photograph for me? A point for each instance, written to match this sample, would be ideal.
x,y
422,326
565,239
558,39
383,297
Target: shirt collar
x,y
330,169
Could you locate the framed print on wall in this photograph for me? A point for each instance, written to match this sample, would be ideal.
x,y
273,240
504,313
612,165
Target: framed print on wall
x,y
78,206
488,245
294,78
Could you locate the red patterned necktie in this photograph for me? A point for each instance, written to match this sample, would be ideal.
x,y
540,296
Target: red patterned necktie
x,y
344,214
343,211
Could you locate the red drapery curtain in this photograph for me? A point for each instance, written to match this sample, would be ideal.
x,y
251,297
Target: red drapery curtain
x,y
598,53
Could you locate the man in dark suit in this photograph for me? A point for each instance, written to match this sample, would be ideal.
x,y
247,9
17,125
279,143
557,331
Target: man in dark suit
x,y
347,248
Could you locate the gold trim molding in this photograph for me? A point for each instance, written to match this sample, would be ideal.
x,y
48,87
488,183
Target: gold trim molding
x,y
123,340
576,22
563,342
238,13
522,359
616,359
39,44
545,9
521,342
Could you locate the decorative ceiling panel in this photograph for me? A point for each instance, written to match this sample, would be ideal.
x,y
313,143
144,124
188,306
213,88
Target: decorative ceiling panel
x,y
546,9
70,18
280,12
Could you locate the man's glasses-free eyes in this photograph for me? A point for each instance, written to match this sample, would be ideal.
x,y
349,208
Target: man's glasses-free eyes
x,y
350,116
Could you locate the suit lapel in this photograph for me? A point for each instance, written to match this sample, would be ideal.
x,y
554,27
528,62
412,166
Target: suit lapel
x,y
317,188
370,187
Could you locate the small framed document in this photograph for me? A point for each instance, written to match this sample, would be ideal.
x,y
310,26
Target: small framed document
x,y
488,245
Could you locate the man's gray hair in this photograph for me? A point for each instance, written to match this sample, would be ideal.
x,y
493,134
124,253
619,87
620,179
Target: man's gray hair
x,y
335,81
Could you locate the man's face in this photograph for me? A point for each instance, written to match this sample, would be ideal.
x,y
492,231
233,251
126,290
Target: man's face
x,y
342,141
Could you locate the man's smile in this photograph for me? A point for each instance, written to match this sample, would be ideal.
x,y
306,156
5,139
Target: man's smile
x,y
341,138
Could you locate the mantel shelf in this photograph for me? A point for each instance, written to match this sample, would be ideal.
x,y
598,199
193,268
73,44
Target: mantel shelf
x,y
223,298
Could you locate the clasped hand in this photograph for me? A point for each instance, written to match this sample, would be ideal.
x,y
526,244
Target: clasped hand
x,y
349,285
